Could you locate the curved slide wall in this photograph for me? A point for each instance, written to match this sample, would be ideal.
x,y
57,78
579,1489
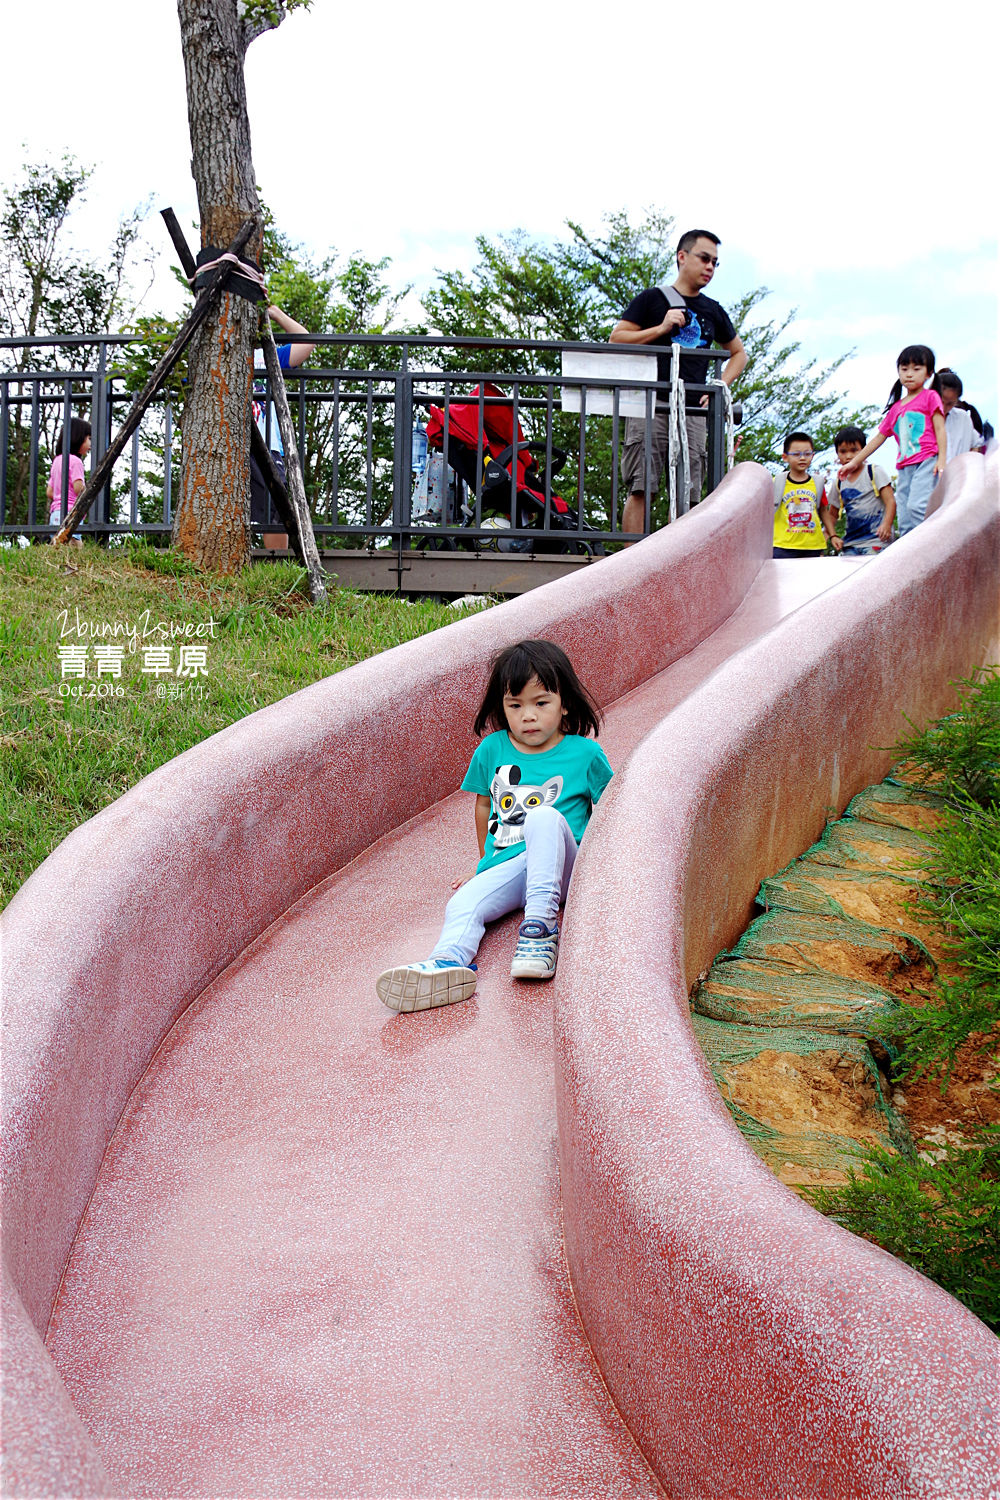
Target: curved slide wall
x,y
754,1348
142,907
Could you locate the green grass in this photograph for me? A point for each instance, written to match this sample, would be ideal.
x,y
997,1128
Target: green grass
x,y
64,757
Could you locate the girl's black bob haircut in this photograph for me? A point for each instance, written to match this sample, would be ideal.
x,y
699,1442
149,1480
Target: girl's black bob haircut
x,y
79,431
514,668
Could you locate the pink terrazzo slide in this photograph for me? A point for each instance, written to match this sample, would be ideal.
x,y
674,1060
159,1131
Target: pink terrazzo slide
x,y
280,1242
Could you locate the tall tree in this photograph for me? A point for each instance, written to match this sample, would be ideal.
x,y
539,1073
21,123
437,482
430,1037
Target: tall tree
x,y
212,518
48,286
578,289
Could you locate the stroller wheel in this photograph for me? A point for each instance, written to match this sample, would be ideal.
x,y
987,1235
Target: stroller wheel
x,y
501,543
431,543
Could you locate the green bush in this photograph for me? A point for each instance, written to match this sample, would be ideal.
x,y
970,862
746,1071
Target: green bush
x,y
960,756
941,1212
941,1216
963,896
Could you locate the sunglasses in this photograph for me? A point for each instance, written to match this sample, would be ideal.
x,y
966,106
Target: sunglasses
x,y
708,260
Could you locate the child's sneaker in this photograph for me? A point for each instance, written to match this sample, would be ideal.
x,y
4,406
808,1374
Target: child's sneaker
x,y
536,951
420,986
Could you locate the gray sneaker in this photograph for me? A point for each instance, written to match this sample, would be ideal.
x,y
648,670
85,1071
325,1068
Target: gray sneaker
x,y
536,952
421,986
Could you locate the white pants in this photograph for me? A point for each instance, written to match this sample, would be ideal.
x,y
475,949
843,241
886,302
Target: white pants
x,y
536,879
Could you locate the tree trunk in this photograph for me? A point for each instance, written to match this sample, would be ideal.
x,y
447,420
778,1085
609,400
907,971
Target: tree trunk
x,y
211,523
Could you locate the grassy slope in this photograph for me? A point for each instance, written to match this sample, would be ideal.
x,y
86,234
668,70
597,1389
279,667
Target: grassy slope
x,y
63,758
941,1212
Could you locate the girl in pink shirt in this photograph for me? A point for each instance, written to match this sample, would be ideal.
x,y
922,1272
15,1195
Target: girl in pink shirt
x,y
916,420
79,447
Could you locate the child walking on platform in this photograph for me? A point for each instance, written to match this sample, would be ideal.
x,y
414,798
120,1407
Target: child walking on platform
x,y
915,417
868,502
802,525
77,440
536,779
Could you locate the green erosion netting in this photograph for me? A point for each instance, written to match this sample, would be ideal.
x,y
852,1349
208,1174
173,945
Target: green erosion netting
x,y
875,897
898,805
755,993
784,1088
808,941
860,843
785,1016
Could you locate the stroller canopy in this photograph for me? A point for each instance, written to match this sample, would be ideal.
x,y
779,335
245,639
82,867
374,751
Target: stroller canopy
x,y
498,434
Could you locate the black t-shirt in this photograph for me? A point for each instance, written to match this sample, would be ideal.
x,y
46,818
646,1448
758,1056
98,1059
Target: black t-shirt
x,y
710,324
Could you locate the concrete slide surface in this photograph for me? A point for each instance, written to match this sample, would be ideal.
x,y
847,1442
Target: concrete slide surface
x,y
321,1250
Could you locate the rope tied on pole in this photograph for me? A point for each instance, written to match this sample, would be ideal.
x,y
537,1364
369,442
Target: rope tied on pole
x,y
246,278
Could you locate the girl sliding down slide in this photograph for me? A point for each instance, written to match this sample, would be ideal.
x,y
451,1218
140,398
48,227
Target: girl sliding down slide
x,y
917,421
536,779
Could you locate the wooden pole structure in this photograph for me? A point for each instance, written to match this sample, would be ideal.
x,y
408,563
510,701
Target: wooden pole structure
x,y
258,448
206,299
293,470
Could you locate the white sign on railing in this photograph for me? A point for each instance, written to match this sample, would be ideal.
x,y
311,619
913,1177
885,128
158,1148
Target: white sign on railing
x,y
602,368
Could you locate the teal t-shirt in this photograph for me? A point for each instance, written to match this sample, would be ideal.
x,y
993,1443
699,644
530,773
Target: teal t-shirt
x,y
570,777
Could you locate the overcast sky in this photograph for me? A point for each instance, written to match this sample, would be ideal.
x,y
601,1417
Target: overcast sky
x,y
846,156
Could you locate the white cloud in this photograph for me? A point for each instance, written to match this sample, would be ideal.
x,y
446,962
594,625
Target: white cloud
x,y
823,152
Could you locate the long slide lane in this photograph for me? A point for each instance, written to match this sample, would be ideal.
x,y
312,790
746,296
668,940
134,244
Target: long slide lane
x,y
324,1252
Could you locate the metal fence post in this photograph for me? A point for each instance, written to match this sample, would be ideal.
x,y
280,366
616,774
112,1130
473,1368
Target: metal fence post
x,y
402,479
100,428
33,456
716,433
168,458
4,440
67,427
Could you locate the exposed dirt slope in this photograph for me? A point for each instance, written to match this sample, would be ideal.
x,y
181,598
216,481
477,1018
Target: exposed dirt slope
x,y
793,1019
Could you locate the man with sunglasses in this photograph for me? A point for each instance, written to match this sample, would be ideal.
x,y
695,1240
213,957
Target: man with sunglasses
x,y
679,314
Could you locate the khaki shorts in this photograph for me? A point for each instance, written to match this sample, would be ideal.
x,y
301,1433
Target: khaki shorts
x,y
634,453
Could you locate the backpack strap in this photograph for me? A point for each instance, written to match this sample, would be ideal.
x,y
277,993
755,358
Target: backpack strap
x,y
779,488
673,296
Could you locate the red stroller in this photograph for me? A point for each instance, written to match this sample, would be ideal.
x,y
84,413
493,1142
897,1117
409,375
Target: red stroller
x,y
506,467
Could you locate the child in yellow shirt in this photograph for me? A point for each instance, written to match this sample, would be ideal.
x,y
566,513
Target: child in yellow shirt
x,y
802,523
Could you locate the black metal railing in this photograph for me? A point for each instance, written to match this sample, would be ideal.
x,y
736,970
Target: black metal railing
x,y
360,420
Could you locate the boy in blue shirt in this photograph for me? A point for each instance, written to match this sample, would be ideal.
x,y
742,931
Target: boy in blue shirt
x,y
867,500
